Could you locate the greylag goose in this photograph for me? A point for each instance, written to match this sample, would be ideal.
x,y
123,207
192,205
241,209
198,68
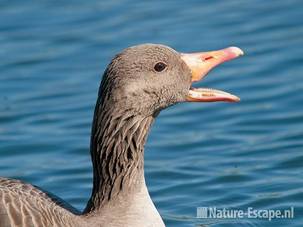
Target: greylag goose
x,y
137,84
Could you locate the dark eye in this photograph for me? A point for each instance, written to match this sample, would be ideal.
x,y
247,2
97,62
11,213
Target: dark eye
x,y
160,66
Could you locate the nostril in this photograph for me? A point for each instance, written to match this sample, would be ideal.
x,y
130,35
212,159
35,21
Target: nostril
x,y
207,58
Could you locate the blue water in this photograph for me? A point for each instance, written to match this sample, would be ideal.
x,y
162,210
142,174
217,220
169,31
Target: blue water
x,y
248,154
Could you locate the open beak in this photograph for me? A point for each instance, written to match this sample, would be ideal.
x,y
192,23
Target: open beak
x,y
200,64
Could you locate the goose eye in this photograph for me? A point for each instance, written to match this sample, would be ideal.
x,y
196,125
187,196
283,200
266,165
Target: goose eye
x,y
160,66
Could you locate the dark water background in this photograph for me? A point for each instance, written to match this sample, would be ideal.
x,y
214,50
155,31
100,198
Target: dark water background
x,y
248,154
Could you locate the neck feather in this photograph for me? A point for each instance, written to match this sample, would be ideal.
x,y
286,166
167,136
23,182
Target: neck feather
x,y
117,151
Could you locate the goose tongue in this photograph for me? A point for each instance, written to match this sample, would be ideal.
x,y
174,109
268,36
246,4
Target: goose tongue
x,y
200,64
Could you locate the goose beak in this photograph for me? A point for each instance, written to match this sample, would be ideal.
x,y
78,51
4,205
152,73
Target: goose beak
x,y
200,64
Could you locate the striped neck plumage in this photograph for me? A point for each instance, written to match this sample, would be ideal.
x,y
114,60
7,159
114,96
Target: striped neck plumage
x,y
117,151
